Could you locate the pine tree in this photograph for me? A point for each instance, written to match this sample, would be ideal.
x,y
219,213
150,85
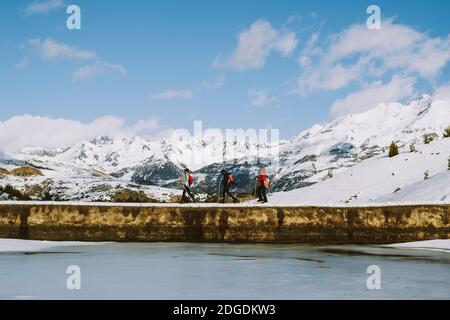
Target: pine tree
x,y
429,137
393,150
447,132
330,172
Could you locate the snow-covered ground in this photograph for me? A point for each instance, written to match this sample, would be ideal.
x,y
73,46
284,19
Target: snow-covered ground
x,y
13,245
441,245
70,182
400,179
436,188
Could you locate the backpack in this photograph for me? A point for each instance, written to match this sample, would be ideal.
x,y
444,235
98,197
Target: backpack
x,y
231,179
267,183
191,180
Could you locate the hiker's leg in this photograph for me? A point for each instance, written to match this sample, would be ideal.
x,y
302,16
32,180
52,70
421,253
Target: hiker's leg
x,y
264,195
224,193
231,195
190,193
259,192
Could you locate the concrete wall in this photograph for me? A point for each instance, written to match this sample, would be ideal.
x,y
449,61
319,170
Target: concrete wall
x,y
236,224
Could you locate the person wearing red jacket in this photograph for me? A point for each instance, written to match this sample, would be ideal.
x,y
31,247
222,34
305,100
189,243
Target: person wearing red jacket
x,y
261,187
187,182
227,181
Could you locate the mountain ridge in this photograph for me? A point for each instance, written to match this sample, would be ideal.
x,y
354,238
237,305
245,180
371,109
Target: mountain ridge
x,y
309,158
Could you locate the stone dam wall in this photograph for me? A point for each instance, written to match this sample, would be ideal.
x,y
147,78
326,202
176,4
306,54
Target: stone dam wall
x,y
227,224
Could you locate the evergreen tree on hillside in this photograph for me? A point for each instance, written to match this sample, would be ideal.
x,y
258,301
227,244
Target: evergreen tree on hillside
x,y
447,132
393,150
429,137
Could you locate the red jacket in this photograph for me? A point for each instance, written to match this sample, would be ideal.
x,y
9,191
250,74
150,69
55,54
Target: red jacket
x,y
262,178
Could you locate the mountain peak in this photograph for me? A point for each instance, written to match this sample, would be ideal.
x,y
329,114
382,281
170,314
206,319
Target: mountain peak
x,y
102,140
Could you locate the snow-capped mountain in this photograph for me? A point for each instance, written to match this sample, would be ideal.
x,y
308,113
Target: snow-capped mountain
x,y
409,177
324,150
314,157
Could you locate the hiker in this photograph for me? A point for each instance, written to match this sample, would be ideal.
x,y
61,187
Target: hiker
x,y
263,183
187,181
227,181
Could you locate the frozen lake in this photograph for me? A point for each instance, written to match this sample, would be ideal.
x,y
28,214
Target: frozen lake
x,y
218,271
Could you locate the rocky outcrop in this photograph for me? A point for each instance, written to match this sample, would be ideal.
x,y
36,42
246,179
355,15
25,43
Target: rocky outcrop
x,y
26,172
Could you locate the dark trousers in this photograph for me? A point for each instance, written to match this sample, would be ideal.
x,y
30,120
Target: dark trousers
x,y
189,192
262,193
226,192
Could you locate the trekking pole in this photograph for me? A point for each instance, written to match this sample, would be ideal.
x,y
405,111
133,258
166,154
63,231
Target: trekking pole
x,y
218,191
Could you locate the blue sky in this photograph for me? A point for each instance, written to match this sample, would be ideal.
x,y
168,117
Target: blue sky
x,y
173,62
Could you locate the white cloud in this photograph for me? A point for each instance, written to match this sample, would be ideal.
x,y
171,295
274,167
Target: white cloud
x,y
397,89
171,94
443,92
255,45
50,49
39,7
34,131
260,98
359,53
98,69
286,44
22,63
309,50
146,125
215,84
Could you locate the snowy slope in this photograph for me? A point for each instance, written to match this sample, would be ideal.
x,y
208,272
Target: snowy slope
x,y
70,182
437,245
383,179
12,245
358,179
354,138
436,188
